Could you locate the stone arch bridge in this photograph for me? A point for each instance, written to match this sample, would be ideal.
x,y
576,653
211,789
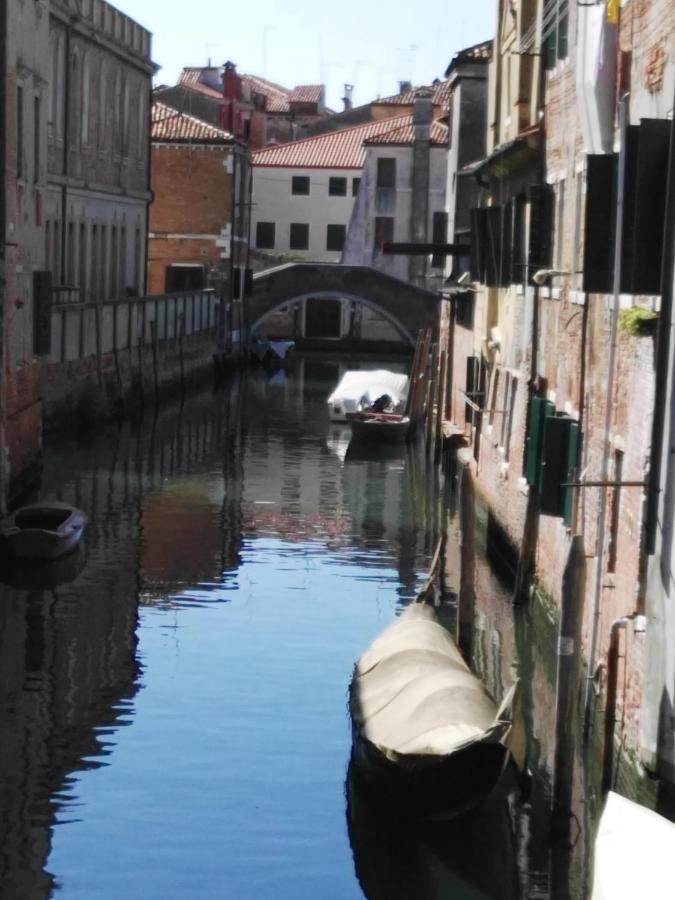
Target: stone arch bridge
x,y
407,307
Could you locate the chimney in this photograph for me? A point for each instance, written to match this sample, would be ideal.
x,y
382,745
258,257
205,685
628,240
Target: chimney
x,y
423,113
347,99
404,87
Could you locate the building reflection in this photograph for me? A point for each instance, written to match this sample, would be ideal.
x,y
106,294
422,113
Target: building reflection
x,y
69,670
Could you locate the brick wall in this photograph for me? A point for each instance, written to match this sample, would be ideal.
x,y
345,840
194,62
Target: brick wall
x,y
192,197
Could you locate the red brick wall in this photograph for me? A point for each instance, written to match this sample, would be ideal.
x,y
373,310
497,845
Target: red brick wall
x,y
192,196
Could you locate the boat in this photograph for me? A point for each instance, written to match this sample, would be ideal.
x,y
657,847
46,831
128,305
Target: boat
x,y
384,427
43,530
634,850
360,388
427,736
270,352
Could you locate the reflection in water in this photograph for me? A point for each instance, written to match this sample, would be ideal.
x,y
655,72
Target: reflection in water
x,y
173,715
468,857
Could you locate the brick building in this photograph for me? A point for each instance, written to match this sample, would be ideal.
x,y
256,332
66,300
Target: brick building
x,y
560,386
199,218
254,110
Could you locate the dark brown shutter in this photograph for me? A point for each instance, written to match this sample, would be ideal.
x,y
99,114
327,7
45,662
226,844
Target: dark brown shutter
x,y
541,226
600,217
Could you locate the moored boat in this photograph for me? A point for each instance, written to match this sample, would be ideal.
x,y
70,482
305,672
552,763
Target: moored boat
x,y
426,734
43,530
370,425
360,388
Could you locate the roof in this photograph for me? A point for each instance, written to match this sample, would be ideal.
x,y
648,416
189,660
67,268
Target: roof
x,y
306,93
440,95
169,124
477,53
278,98
190,77
343,149
405,134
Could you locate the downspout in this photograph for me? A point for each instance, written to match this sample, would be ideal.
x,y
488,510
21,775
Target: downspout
x,y
66,142
610,712
609,396
3,244
232,221
146,255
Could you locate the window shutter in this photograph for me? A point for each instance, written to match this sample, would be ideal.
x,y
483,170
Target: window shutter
x,y
600,217
541,218
540,408
42,312
477,245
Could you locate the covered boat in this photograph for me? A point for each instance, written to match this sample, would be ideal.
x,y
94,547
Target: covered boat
x,y
634,850
43,530
426,733
359,388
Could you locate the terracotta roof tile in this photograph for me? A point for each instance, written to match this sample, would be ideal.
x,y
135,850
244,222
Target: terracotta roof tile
x,y
190,77
307,93
404,134
277,96
343,149
171,125
440,93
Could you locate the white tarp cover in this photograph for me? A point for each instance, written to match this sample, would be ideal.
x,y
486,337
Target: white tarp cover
x,y
413,693
634,852
368,384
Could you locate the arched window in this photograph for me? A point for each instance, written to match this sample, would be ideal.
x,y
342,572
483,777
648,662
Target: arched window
x,y
102,106
126,121
142,123
58,77
75,111
117,113
86,93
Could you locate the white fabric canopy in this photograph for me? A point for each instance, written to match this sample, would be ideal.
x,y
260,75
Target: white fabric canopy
x,y
413,693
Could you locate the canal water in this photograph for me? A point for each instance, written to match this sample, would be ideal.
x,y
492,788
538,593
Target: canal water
x,y
173,700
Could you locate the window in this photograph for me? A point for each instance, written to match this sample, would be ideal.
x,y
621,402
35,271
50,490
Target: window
x,y
82,261
246,128
299,239
103,260
19,132
337,187
335,237
36,138
614,512
554,31
384,231
386,172
70,255
264,235
94,261
439,236
355,186
559,225
300,184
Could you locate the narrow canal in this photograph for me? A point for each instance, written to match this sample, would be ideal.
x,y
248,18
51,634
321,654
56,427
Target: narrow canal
x,y
173,719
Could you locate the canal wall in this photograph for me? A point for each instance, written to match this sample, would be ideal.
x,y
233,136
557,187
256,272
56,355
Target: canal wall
x,y
109,357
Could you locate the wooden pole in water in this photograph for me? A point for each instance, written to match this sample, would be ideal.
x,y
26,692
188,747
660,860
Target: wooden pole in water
x,y
432,396
181,323
440,405
413,373
567,683
420,381
153,337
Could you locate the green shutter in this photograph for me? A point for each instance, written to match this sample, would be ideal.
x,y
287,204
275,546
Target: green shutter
x,y
554,465
572,448
540,408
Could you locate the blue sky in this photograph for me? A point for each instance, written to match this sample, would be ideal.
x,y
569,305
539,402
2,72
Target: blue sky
x,y
368,44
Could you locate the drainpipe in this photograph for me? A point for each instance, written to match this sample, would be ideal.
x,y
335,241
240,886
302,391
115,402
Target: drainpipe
x,y
610,711
3,245
609,397
66,141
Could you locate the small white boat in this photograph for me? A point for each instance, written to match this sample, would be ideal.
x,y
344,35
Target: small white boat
x,y
426,734
634,851
43,530
360,388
